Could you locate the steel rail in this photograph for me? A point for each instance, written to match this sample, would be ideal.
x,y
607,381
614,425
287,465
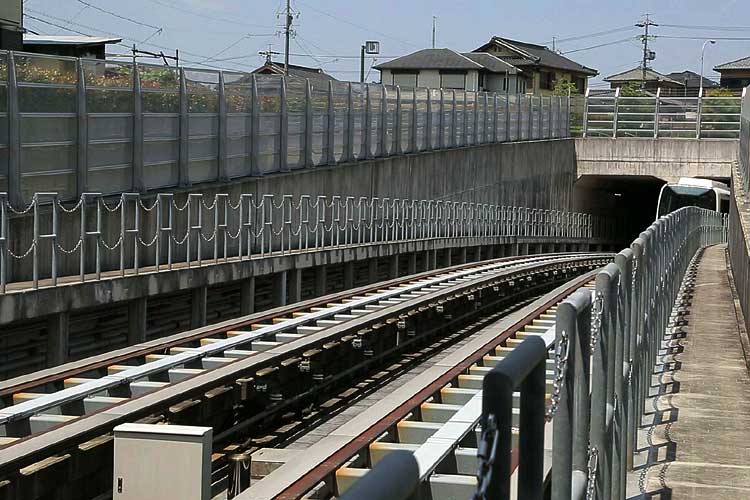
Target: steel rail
x,y
31,448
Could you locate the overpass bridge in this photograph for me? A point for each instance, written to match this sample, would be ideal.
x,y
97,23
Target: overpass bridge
x,y
330,281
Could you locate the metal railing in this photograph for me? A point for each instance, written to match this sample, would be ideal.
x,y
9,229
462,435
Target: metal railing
x,y
159,232
652,116
610,335
80,125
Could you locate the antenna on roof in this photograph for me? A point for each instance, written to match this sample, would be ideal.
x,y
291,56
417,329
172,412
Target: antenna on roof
x,y
434,24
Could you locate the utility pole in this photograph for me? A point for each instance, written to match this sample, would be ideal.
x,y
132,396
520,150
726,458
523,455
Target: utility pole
x,y
434,22
287,34
647,55
553,44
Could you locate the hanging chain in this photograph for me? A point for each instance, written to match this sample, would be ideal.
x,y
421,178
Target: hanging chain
x,y
486,456
26,254
561,365
596,319
592,466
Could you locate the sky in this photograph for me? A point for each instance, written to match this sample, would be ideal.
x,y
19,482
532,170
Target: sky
x,y
228,34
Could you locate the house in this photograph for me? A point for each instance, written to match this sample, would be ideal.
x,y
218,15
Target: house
x,y
541,67
11,25
316,75
735,74
448,69
692,82
653,80
68,45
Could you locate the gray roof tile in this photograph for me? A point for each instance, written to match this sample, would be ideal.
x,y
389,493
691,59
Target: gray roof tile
x,y
431,59
530,54
743,63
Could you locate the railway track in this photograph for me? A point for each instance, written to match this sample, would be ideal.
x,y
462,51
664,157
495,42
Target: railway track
x,y
240,376
436,417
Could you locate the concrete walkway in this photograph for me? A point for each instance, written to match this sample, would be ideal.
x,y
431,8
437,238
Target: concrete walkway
x,y
698,444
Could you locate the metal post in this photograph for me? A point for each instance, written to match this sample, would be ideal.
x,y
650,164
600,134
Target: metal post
x,y
223,131
383,150
495,112
441,121
656,112
283,129
308,124
367,125
454,115
531,118
614,111
349,130
255,128
397,125
330,157
519,121
14,136
414,128
428,123
465,125
83,137
138,181
585,112
184,175
699,117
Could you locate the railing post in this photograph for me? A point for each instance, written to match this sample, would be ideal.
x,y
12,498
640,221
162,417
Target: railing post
x,y
477,136
184,175
139,184
349,153
495,111
699,117
507,113
519,106
531,118
486,119
14,136
367,125
255,128
540,119
414,128
441,121
383,122
614,111
585,112
82,141
222,161
656,112
330,157
454,114
397,125
428,123
308,124
283,128
465,122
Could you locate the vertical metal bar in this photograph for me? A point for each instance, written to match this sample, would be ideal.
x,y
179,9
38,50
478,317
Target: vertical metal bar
x,y
585,112
382,148
441,121
283,128
519,105
82,251
699,118
397,149
308,124
330,157
54,238
184,161
3,242
349,130
531,118
429,120
414,127
531,436
614,111
35,243
82,142
657,103
139,184
495,112
14,137
255,128
367,125
223,130
465,126
454,115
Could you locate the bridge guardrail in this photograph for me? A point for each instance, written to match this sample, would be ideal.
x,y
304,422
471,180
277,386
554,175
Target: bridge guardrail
x,y
90,125
162,233
610,335
651,116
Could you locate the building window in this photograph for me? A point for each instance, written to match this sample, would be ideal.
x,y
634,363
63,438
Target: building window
x,y
453,80
546,80
580,84
405,79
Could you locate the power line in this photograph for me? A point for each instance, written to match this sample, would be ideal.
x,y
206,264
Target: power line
x,y
206,16
591,35
678,37
119,16
366,28
598,45
709,28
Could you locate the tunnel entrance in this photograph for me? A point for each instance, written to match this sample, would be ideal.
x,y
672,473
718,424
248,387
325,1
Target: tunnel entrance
x,y
631,200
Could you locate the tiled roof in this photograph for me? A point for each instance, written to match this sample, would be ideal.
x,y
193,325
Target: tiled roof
x,y
743,63
636,74
529,54
313,74
693,79
431,59
492,63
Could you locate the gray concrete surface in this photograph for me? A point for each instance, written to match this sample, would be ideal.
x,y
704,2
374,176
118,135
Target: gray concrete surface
x,y
666,159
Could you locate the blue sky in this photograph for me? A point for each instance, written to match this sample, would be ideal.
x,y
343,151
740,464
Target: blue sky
x,y
215,32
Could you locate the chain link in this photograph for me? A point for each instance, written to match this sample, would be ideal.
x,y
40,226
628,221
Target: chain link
x,y
119,241
26,254
72,250
71,210
145,208
592,468
561,365
596,319
486,456
24,211
116,207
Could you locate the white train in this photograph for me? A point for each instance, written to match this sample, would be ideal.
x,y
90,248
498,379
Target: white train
x,y
690,192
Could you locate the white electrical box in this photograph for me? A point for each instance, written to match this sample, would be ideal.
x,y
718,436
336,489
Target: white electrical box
x,y
162,462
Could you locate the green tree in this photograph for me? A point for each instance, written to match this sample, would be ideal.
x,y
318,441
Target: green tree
x,y
632,89
564,88
720,92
